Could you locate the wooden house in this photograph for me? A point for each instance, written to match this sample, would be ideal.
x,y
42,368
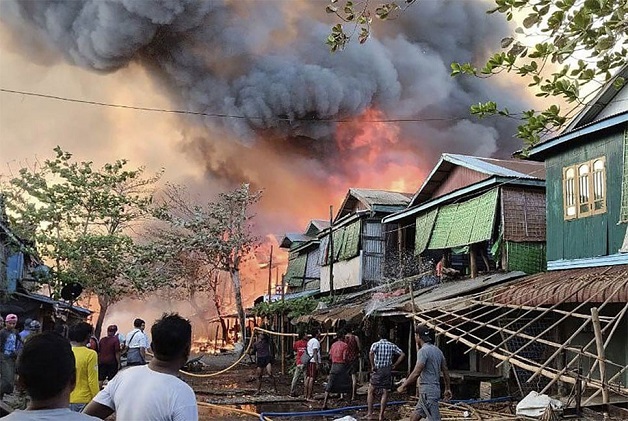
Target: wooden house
x,y
20,269
558,330
480,214
355,250
587,220
303,271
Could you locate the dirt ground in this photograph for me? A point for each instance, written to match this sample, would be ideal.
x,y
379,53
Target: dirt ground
x,y
236,389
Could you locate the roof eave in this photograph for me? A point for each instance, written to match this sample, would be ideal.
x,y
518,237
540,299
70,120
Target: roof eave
x,y
542,151
473,188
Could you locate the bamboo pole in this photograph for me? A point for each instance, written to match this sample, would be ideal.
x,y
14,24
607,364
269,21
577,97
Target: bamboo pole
x,y
614,324
526,336
460,338
600,351
498,356
529,311
524,307
579,329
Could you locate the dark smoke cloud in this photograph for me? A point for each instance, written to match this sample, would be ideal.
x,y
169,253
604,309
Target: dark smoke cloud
x,y
266,60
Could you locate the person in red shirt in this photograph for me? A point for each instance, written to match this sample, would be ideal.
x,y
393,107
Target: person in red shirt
x,y
109,355
353,359
299,348
339,379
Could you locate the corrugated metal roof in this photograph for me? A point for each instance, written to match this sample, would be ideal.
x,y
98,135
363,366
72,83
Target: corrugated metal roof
x,y
548,148
381,197
595,285
316,226
440,292
510,168
293,237
590,113
371,198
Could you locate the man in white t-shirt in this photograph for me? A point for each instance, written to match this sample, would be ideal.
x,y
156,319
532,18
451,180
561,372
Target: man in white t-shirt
x,y
137,343
153,392
314,350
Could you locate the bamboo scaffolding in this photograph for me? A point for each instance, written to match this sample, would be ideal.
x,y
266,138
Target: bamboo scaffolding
x,y
515,308
459,337
526,336
613,325
577,330
554,324
519,362
532,321
606,319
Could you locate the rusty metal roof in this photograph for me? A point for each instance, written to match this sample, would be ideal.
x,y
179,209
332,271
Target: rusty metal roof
x,y
596,285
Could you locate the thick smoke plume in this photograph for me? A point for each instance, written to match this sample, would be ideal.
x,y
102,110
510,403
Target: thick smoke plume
x,y
263,66
266,61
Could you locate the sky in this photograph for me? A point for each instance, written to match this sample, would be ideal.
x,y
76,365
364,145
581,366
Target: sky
x,y
283,113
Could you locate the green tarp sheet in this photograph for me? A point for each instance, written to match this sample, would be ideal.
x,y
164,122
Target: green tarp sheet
x,y
424,225
464,223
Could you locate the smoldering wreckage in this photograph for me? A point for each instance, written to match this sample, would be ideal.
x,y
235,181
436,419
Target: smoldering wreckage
x,y
529,296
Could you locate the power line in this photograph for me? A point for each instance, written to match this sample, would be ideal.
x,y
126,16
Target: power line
x,y
222,115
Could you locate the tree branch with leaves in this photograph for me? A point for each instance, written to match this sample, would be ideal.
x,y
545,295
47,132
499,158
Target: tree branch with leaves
x,y
83,220
567,50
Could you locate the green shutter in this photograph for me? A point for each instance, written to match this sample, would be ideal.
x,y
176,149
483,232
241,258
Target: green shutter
x,y
465,223
295,272
444,221
483,212
351,241
623,216
424,225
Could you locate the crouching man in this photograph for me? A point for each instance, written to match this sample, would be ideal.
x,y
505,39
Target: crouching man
x,y
153,391
47,372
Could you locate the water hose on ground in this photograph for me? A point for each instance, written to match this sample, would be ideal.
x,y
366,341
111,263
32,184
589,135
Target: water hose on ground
x,y
264,415
246,351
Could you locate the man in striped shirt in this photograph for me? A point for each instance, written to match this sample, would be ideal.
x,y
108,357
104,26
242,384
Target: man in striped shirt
x,y
381,356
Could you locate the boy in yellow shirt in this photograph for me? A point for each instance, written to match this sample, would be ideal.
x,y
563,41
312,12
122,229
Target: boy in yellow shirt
x,y
86,366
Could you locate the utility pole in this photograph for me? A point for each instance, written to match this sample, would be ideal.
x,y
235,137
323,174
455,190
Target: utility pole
x,y
270,272
331,250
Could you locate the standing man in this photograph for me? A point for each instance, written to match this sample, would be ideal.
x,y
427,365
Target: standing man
x,y
339,380
47,372
26,330
136,344
299,348
10,343
109,355
354,347
153,391
381,357
86,361
313,349
429,363
264,359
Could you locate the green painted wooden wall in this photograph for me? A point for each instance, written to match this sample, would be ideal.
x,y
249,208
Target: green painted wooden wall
x,y
597,235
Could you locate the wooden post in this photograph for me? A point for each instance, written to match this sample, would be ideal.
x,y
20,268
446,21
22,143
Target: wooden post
x,y
331,251
283,321
473,265
270,273
599,342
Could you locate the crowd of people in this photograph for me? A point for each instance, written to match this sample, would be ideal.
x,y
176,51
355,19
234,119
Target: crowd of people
x,y
68,374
